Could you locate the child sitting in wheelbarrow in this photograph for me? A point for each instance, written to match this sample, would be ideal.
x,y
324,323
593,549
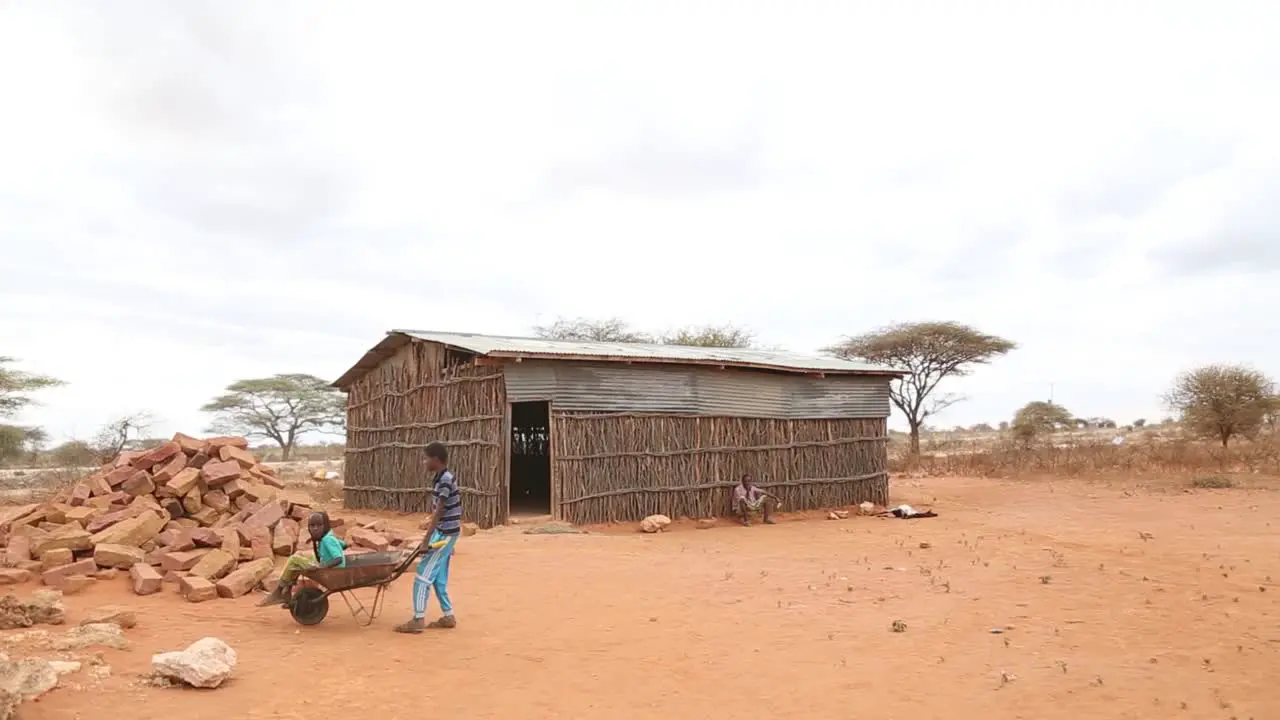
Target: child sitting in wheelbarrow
x,y
328,553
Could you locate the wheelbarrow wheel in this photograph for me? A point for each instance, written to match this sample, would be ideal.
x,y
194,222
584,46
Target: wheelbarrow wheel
x,y
309,606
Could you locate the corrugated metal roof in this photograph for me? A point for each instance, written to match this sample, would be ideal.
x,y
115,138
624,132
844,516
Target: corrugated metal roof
x,y
500,346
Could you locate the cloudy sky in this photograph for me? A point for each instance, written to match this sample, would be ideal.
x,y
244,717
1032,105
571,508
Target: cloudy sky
x,y
196,192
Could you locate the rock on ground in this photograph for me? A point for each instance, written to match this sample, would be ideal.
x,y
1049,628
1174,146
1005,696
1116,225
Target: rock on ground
x,y
654,523
44,607
83,636
28,679
206,663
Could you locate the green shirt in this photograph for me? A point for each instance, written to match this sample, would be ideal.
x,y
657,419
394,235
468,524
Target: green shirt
x,y
330,550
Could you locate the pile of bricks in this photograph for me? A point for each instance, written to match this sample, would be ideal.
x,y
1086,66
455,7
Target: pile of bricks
x,y
205,515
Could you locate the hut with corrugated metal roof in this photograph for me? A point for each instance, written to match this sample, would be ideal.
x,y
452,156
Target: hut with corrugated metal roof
x,y
600,432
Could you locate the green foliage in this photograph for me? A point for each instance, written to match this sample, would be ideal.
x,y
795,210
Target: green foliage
x,y
616,330
74,453
607,330
281,408
1039,418
17,442
16,387
929,352
1222,401
711,336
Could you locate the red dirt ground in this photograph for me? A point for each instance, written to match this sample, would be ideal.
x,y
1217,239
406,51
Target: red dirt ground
x,y
788,621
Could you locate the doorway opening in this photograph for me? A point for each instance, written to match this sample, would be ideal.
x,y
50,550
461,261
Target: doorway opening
x,y
530,458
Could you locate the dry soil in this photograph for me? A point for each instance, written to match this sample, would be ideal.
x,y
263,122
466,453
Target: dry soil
x,y
1038,601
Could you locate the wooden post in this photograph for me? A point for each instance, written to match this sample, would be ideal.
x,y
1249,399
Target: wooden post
x,y
504,492
557,512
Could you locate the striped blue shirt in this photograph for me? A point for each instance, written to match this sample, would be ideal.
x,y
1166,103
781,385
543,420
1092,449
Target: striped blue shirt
x,y
447,496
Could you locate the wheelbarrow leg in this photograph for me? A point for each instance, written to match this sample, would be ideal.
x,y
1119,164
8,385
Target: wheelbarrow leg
x,y
357,608
379,597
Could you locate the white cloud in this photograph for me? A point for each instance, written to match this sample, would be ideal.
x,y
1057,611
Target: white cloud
x,y
199,192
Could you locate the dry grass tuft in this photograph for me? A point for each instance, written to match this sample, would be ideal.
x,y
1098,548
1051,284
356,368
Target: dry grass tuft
x,y
1141,455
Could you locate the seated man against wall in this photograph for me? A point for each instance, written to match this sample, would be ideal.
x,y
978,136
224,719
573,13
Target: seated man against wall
x,y
747,499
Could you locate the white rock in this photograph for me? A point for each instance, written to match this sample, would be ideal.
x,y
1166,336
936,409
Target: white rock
x,y
27,679
654,523
206,663
866,508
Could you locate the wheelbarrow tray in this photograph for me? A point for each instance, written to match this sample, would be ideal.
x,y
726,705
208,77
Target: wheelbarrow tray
x,y
362,570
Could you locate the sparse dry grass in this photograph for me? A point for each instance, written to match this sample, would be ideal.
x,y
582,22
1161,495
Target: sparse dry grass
x,y
1142,454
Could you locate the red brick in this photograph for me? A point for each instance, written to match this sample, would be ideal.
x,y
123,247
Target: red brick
x,y
128,456
117,556
260,542
145,579
181,484
206,537
57,557
198,460
98,485
80,494
215,564
236,441
245,578
269,515
197,589
81,515
164,473
18,550
55,576
173,506
191,502
365,538
14,576
116,477
157,456
174,539
139,484
217,473
103,521
231,453
74,584
189,445
182,560
217,500
285,538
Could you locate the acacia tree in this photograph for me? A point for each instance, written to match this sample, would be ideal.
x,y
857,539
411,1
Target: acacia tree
x,y
616,330
1038,418
1222,401
711,336
281,408
16,388
929,352
121,434
607,330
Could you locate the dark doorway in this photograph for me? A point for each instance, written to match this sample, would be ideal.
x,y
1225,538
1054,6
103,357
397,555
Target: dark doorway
x,y
530,458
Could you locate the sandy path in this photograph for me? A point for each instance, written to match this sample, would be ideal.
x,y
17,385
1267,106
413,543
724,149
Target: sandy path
x,y
788,621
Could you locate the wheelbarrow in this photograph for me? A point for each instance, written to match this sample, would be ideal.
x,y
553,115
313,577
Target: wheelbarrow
x,y
310,604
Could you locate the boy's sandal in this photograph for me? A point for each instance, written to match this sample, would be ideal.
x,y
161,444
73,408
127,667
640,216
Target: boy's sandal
x,y
413,627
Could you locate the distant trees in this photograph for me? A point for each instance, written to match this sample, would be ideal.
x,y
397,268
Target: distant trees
x,y
1140,423
1222,401
1039,418
16,388
605,330
929,352
121,434
617,330
281,408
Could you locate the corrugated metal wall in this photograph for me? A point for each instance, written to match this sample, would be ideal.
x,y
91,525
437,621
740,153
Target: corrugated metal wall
x,y
616,387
